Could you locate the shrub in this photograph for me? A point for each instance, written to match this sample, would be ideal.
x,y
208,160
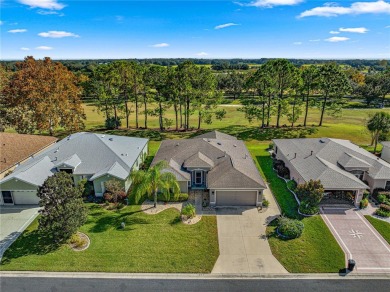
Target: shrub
x,y
182,197
282,171
107,197
173,198
265,203
77,241
382,213
311,192
271,146
366,194
307,209
114,188
112,123
290,228
364,203
189,211
120,206
86,187
385,207
292,185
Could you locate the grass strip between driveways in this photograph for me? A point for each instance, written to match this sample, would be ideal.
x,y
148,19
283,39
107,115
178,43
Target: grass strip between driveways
x,y
316,251
381,226
149,243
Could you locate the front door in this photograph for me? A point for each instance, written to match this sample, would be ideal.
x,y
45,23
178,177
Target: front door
x,y
198,177
7,197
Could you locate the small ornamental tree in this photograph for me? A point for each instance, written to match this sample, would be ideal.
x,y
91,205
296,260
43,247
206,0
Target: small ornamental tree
x,y
63,210
114,191
311,192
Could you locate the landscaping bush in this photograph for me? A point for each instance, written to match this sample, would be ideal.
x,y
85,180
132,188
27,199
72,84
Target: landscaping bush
x,y
189,211
384,198
282,171
311,192
385,207
292,185
364,203
112,123
114,191
307,209
382,213
265,203
86,187
290,228
77,241
172,198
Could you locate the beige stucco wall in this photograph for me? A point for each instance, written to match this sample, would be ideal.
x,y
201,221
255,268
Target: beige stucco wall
x,y
97,184
14,184
183,186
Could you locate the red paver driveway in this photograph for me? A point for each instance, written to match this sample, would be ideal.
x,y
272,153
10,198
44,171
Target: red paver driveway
x,y
359,239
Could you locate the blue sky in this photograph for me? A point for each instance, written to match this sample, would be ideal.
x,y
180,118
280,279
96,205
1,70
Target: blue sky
x,y
193,29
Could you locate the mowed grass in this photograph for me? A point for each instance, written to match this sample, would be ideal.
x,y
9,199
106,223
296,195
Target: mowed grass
x,y
350,126
381,226
149,243
316,251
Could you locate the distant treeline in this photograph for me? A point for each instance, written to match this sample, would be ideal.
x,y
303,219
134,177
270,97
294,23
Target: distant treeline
x,y
87,66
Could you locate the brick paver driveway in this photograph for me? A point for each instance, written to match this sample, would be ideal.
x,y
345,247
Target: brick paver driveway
x,y
358,238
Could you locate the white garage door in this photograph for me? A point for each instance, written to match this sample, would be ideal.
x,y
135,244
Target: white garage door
x,y
236,198
25,197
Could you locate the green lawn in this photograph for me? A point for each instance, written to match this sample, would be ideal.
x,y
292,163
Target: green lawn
x,y
381,226
316,251
149,243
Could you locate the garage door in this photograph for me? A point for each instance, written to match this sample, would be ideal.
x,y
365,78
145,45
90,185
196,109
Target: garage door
x,y
236,198
25,197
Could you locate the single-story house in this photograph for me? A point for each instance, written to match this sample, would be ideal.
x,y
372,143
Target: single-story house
x,y
339,164
385,155
95,157
16,148
215,163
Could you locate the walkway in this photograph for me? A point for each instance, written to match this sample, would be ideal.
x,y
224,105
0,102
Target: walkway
x,y
243,245
359,240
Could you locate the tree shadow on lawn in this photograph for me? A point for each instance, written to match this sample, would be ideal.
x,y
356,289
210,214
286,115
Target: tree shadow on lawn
x,y
114,220
32,242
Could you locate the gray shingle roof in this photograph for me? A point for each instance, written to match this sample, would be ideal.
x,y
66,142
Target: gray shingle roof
x,y
232,166
386,143
89,154
319,158
215,135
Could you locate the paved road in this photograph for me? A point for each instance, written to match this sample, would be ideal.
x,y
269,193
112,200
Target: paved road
x,y
359,240
31,284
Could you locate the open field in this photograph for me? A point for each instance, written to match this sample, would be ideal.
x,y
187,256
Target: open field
x,y
149,243
351,125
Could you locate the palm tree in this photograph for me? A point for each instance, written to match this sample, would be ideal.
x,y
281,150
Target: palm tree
x,y
153,180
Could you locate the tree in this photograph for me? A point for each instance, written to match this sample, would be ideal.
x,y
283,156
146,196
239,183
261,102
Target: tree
x,y
285,75
311,192
378,125
235,83
63,210
155,179
157,77
333,85
309,75
50,91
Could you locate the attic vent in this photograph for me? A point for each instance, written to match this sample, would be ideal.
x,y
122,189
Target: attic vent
x,y
246,156
138,147
219,143
103,136
68,137
322,141
58,149
111,139
234,145
177,144
208,140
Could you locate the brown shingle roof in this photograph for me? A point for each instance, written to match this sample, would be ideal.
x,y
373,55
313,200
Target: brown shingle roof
x,y
15,148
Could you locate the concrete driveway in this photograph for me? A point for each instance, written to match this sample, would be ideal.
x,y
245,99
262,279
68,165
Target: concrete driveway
x,y
243,246
358,238
13,221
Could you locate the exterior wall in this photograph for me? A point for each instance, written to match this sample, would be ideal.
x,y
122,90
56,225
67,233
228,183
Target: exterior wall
x,y
375,184
18,187
386,153
183,186
97,184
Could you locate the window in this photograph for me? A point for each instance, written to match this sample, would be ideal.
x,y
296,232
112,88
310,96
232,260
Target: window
x,y
198,177
387,187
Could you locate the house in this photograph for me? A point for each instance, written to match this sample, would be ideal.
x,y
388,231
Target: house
x,y
16,148
385,155
217,164
340,165
95,157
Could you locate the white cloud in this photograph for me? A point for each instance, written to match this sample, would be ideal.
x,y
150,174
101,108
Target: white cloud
x,y
45,4
49,12
25,49
17,30
337,39
333,9
387,26
162,45
316,40
202,54
55,34
334,32
271,3
297,43
1,22
43,48
354,29
225,25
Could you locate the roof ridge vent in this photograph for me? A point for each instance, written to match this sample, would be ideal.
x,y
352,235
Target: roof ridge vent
x,y
111,139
